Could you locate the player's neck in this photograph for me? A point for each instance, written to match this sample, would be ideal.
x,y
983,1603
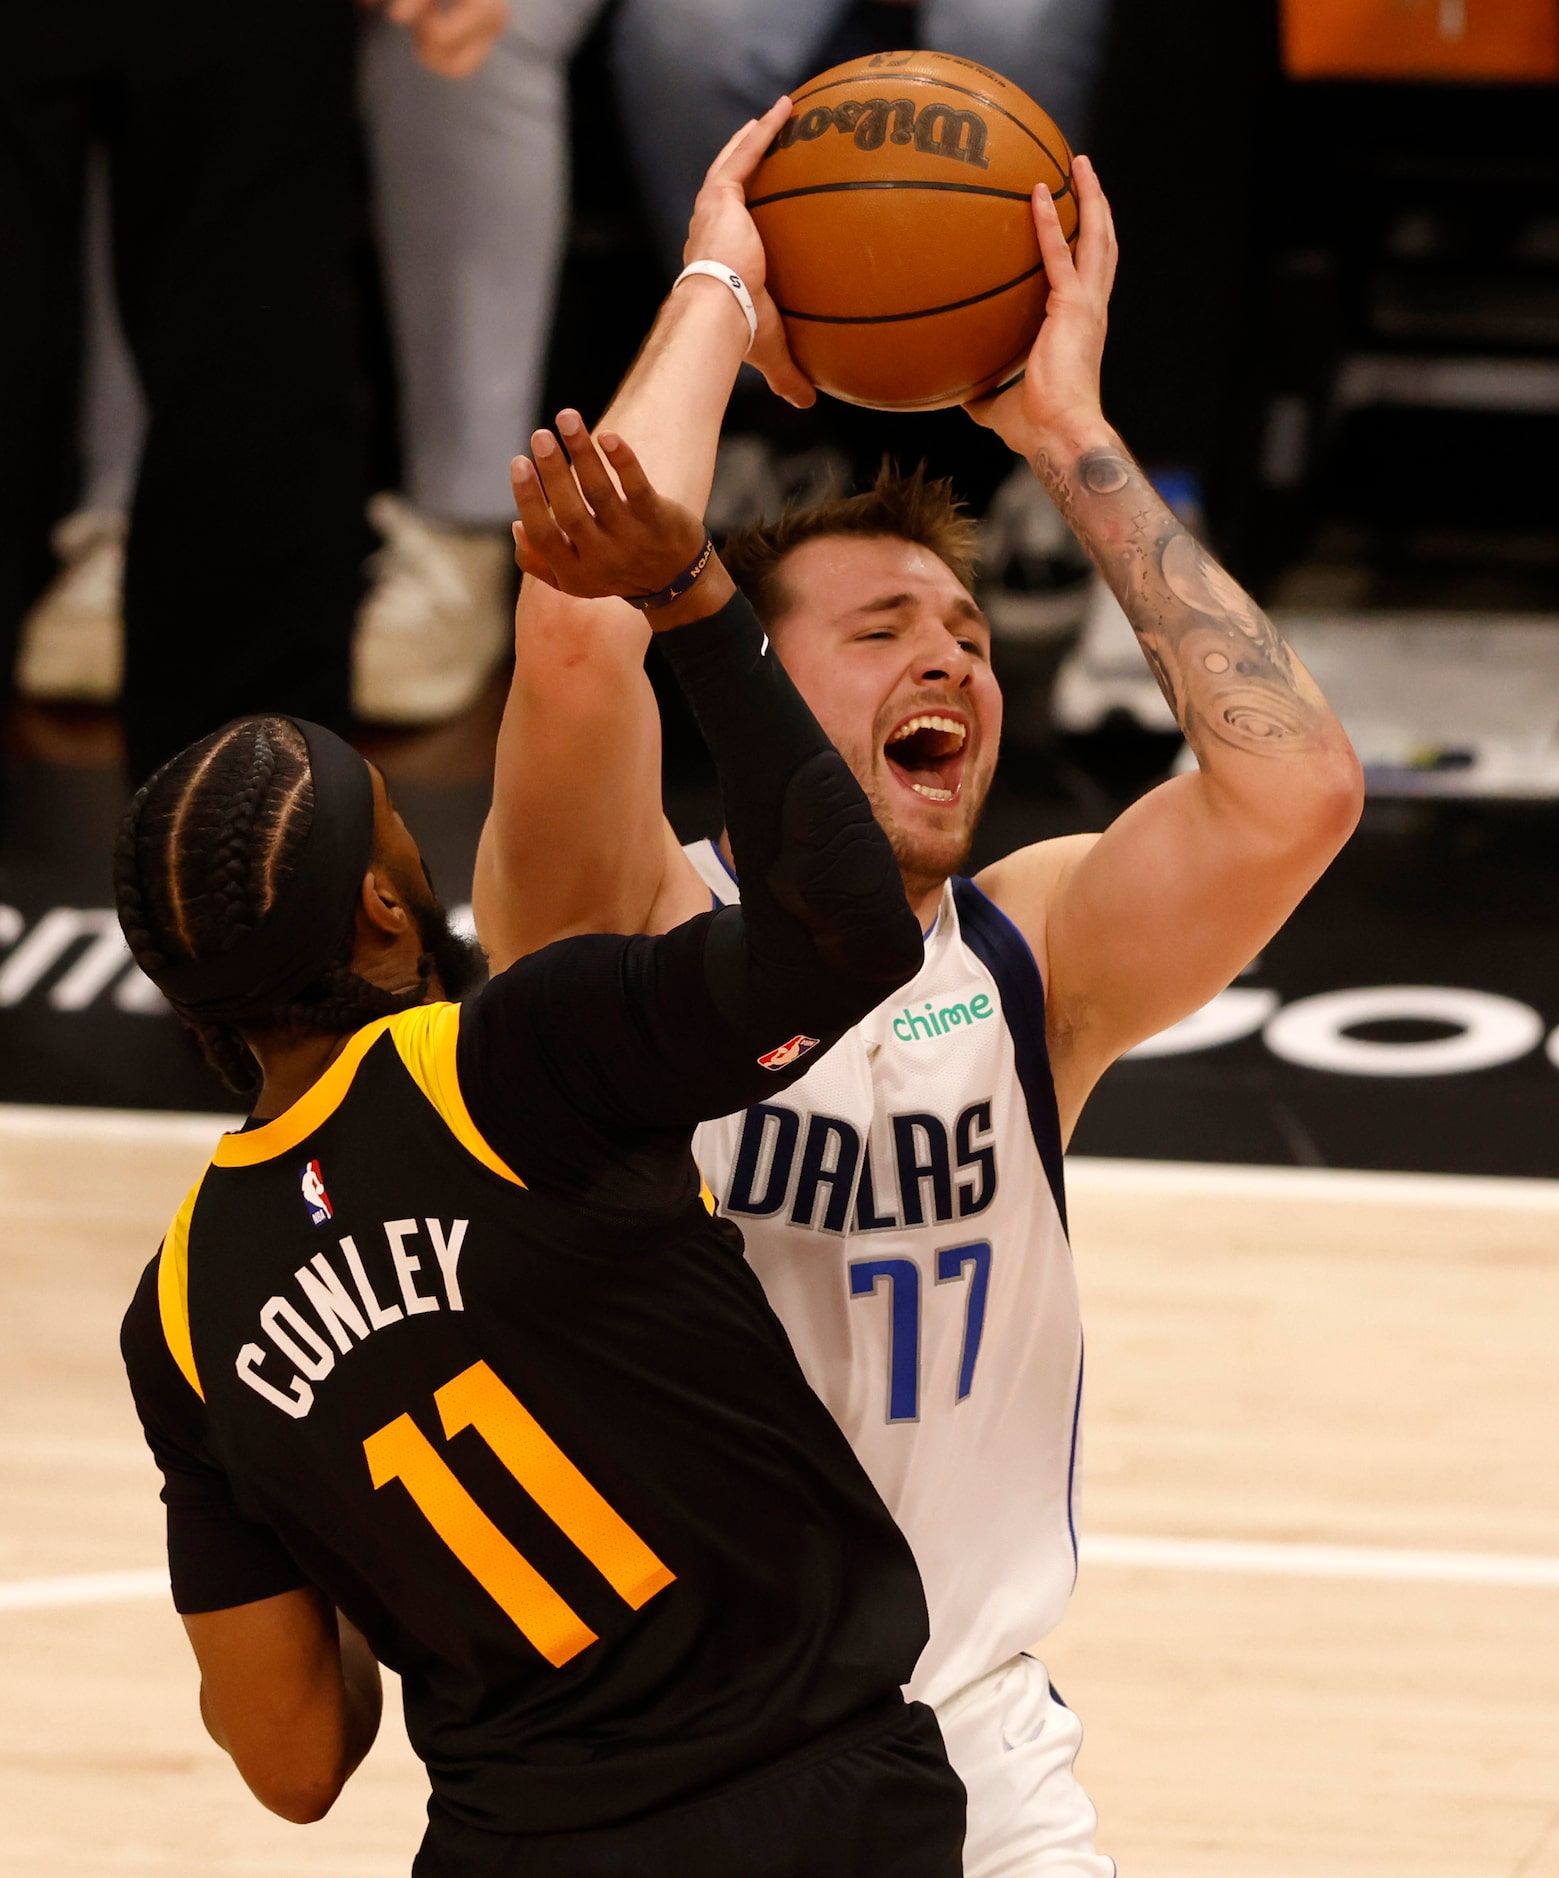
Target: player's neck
x,y
289,1070
924,899
925,904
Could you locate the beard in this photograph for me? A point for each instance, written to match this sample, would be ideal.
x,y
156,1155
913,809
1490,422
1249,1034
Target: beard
x,y
459,963
926,861
926,857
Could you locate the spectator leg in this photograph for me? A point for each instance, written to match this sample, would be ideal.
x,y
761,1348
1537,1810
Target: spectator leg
x,y
44,133
689,72
239,219
471,197
1052,48
113,414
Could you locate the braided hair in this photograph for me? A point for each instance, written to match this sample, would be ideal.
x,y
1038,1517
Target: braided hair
x,y
201,854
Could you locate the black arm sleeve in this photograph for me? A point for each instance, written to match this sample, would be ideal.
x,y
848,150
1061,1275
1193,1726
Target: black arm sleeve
x,y
597,1051
825,924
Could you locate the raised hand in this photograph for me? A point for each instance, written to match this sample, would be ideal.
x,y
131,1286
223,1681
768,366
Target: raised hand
x,y
588,535
722,230
1060,386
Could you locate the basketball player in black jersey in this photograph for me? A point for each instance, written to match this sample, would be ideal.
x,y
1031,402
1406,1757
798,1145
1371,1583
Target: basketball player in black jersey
x,y
445,1361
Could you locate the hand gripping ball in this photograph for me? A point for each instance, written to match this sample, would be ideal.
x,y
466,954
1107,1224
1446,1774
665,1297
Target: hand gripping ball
x,y
894,210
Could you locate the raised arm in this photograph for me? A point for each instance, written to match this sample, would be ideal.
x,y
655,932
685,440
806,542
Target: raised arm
x,y
576,841
1139,926
599,1038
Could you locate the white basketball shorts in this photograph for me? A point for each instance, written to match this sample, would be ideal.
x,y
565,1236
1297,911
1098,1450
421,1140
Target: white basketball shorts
x,y
1013,1745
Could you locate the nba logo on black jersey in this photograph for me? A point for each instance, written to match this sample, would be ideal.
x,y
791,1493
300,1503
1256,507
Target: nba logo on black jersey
x,y
787,1053
315,1197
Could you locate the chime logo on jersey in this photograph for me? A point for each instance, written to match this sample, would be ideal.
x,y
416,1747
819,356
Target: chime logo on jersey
x,y
787,1053
315,1197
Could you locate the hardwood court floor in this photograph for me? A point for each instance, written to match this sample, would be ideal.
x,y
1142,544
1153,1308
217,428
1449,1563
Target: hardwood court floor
x,y
1358,1365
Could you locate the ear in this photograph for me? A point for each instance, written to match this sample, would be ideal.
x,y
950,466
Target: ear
x,y
381,907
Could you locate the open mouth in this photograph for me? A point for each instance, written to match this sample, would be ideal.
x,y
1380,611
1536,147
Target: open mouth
x,y
926,752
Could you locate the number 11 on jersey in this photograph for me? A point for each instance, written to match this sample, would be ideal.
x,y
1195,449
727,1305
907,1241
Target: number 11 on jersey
x,y
902,1276
477,1399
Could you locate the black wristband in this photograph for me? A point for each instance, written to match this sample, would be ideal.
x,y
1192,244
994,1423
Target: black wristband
x,y
674,590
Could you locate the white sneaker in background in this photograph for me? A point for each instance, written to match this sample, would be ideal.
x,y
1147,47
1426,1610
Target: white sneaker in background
x,y
1033,574
72,641
438,619
1105,674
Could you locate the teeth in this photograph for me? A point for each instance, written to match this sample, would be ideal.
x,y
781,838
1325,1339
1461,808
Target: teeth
x,y
932,795
949,724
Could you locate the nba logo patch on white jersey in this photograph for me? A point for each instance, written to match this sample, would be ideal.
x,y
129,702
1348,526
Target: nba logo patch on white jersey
x,y
315,1197
787,1053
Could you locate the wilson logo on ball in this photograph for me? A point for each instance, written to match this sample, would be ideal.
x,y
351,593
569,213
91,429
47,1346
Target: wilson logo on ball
x,y
935,130
896,212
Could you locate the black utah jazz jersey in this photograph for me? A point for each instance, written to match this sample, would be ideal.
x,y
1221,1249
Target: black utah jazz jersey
x,y
457,1339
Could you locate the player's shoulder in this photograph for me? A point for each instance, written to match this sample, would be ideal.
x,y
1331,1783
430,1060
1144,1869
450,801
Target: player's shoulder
x,y
154,1334
140,1329
1024,884
154,1337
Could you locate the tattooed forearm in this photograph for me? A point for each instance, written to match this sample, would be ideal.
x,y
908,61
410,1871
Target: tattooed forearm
x,y
1218,659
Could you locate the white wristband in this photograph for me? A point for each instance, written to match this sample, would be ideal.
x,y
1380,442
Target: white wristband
x,y
717,270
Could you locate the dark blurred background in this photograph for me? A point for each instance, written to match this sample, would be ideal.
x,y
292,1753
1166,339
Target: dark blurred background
x,y
1335,346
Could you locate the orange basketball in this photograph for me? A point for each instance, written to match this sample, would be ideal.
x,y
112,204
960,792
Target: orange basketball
x,y
894,208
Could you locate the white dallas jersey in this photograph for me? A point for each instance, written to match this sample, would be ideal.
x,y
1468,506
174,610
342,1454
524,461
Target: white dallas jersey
x,y
902,1204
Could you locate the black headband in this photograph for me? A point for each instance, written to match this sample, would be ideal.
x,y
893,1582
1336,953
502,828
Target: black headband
x,y
305,929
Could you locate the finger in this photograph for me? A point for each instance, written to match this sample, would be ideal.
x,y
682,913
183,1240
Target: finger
x,y
753,145
527,559
1094,225
540,525
589,470
786,380
760,140
562,492
978,408
771,354
1053,251
716,169
985,410
638,491
405,12
1107,217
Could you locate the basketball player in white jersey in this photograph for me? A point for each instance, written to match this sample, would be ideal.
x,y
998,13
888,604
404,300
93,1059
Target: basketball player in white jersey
x,y
903,1204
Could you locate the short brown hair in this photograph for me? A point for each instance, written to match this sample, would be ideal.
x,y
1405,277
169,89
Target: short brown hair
x,y
897,506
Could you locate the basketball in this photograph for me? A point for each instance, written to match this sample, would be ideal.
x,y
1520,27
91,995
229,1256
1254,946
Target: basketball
x,y
894,210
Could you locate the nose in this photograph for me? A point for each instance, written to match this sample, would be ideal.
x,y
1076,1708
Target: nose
x,y
942,659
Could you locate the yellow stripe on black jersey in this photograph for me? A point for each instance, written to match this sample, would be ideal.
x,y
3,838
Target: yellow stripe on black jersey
x,y
425,1039
173,1290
